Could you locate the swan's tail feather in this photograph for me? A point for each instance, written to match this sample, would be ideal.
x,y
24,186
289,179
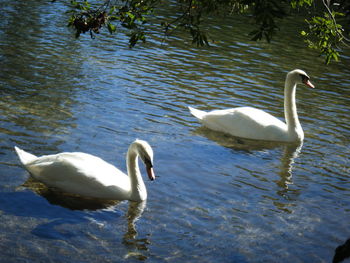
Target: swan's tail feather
x,y
23,156
197,113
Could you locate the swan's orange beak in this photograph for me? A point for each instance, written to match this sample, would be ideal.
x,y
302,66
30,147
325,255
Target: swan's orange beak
x,y
308,83
150,173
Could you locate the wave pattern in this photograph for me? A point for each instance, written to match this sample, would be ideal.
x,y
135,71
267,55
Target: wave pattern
x,y
217,198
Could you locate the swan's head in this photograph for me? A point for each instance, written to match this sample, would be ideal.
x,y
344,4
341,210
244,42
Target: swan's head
x,y
145,152
299,76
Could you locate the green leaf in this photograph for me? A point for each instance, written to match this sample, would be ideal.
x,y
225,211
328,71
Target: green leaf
x,y
131,15
111,28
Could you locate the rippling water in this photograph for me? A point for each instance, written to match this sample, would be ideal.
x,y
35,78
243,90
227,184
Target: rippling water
x,y
217,198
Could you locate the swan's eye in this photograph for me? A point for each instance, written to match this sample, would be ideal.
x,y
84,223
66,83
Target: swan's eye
x,y
304,78
148,163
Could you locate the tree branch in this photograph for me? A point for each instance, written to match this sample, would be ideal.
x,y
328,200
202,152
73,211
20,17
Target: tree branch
x,y
340,35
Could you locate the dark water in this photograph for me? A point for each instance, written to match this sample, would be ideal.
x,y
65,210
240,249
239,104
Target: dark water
x,y
217,198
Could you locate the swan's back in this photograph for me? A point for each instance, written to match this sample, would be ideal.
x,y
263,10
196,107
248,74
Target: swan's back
x,y
246,122
78,173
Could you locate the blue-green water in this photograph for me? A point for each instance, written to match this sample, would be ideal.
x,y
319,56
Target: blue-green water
x,y
216,198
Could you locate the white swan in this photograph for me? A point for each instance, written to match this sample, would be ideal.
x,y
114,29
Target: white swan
x,y
87,175
252,123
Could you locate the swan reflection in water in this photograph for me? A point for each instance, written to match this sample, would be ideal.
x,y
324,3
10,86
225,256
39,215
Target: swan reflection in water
x,y
291,151
74,202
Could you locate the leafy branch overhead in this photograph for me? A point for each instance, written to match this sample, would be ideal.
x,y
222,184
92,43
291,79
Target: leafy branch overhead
x,y
326,25
130,15
329,33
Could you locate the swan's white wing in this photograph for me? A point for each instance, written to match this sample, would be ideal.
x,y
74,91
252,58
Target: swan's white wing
x,y
80,173
246,122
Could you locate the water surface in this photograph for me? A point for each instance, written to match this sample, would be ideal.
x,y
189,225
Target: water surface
x,y
216,198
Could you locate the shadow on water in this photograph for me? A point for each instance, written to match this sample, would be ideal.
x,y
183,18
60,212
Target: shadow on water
x,y
66,200
290,151
73,202
71,210
235,143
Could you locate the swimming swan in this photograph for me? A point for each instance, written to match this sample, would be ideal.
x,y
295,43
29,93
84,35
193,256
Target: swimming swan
x,y
90,176
252,123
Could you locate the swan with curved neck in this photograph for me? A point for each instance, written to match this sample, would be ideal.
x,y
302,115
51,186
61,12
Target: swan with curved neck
x,y
89,176
252,123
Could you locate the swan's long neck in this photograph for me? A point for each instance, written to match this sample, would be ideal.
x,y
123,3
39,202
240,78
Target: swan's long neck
x,y
290,111
138,188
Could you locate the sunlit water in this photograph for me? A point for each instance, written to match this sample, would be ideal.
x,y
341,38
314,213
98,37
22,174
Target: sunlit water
x,y
216,198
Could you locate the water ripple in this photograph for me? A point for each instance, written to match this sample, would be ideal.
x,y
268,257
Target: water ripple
x,y
216,198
